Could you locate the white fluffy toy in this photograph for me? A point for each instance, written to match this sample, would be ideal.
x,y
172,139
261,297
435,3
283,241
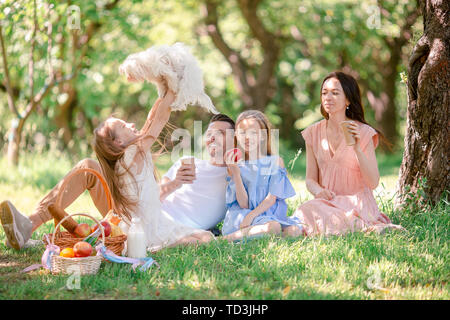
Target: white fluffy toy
x,y
177,66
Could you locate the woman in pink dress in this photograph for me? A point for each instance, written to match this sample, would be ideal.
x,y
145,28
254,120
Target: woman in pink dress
x,y
341,177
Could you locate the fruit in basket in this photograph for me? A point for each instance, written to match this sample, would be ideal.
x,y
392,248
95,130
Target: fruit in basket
x,y
106,227
67,253
116,231
82,249
112,218
82,230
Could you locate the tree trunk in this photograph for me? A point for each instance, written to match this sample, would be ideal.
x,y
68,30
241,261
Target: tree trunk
x,y
255,84
387,117
64,117
14,139
288,116
427,144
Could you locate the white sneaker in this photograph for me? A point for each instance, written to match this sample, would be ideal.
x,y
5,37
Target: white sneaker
x,y
17,227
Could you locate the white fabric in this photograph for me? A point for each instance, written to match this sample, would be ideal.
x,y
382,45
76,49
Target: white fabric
x,y
200,204
161,230
175,64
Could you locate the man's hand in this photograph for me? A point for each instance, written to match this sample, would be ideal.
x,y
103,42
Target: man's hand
x,y
185,174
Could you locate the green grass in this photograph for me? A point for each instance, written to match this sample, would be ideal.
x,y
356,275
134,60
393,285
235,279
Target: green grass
x,y
411,265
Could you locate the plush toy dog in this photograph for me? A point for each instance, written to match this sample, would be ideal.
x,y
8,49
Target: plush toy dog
x,y
173,65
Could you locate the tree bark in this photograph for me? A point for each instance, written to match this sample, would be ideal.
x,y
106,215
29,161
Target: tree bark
x,y
427,144
64,117
387,116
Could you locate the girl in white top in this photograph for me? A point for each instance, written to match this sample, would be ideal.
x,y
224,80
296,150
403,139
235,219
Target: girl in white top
x,y
125,156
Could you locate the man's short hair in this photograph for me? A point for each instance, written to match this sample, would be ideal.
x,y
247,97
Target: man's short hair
x,y
222,117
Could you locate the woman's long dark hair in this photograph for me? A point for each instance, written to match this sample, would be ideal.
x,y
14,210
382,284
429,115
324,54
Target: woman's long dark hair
x,y
355,109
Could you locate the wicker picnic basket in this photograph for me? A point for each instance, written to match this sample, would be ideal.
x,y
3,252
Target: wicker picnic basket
x,y
65,239
82,266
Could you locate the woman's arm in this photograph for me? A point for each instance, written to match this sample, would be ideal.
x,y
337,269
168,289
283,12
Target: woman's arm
x,y
312,177
367,160
368,166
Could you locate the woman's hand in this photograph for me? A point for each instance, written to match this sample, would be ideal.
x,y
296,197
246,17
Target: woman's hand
x,y
353,128
325,194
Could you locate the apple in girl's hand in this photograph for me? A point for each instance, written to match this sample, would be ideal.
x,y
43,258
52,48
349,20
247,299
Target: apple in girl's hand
x,y
82,249
235,154
83,230
106,227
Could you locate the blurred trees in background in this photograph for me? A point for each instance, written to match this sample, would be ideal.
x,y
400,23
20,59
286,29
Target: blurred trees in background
x,y
61,74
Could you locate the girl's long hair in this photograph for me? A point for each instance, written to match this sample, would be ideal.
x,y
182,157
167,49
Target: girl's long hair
x,y
109,153
355,110
264,124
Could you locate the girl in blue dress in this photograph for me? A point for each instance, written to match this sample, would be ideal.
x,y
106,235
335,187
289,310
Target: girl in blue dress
x,y
258,186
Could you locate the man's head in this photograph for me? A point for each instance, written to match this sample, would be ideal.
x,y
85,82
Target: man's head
x,y
219,137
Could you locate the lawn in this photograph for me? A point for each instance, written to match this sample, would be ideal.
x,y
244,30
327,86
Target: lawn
x,y
398,265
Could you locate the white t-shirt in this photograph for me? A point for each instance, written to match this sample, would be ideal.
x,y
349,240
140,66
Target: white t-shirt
x,y
200,204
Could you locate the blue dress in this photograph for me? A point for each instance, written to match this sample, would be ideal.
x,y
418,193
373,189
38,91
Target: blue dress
x,y
260,177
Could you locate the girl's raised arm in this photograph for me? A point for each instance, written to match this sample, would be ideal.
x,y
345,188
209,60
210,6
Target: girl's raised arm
x,y
157,119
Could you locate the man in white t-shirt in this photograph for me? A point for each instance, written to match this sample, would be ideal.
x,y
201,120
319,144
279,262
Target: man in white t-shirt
x,y
197,197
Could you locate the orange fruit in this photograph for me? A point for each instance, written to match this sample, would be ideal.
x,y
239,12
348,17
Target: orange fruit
x,y
115,220
67,253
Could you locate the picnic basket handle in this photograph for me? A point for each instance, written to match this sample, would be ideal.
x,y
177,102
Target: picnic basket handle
x,y
94,172
79,214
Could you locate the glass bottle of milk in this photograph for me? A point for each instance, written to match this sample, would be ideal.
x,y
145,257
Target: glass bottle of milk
x,y
136,241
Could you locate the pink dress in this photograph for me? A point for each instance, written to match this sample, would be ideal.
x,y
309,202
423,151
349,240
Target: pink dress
x,y
354,208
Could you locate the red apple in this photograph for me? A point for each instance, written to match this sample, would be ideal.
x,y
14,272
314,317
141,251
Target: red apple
x,y
106,227
82,230
237,154
234,154
82,249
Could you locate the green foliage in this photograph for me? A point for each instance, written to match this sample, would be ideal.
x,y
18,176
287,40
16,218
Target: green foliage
x,y
337,34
